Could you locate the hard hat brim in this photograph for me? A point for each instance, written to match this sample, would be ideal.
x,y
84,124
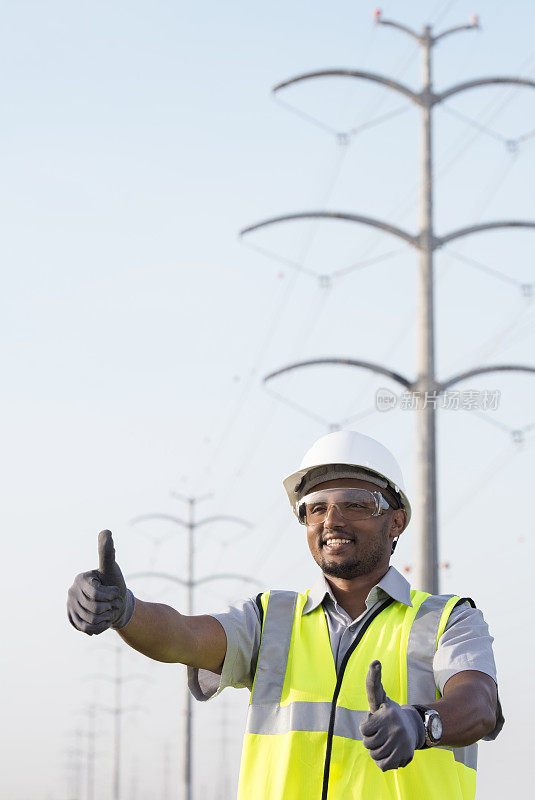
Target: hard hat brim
x,y
294,481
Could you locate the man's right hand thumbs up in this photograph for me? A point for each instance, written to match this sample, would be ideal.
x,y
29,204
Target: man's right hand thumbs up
x,y
374,687
99,599
392,732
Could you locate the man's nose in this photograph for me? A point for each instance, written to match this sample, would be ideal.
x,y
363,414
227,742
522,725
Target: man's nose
x,y
333,516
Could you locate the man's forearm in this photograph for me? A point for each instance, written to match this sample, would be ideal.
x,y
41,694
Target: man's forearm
x,y
468,708
159,632
162,633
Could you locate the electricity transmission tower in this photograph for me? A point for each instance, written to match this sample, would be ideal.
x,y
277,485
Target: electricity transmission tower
x,y
191,525
425,388
74,765
117,710
90,755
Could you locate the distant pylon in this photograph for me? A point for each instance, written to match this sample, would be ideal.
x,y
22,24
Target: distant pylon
x,y
191,524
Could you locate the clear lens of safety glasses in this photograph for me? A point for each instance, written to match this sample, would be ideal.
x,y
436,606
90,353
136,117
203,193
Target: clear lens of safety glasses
x,y
352,504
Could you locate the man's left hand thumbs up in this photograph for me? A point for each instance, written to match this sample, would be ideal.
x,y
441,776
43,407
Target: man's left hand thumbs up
x,y
392,732
108,569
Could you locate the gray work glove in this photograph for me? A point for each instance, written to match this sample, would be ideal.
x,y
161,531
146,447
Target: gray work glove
x,y
392,732
99,599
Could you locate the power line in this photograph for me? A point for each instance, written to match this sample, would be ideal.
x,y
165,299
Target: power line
x,y
250,379
326,279
399,211
475,124
492,271
437,15
298,266
377,120
506,97
522,334
502,460
307,117
496,341
276,319
426,243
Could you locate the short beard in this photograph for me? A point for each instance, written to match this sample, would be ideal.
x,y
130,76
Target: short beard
x,y
354,568
357,566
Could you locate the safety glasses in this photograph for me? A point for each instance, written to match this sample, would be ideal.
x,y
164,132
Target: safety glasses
x,y
352,504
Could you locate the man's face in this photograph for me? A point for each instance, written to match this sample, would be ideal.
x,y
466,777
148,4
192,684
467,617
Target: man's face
x,y
369,542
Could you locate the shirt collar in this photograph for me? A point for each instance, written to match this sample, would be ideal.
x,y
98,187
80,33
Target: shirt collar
x,y
392,584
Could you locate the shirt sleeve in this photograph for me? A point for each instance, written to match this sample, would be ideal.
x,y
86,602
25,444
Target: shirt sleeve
x,y
241,623
466,644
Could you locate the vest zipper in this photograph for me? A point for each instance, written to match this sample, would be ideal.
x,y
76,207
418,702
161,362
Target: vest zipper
x,y
339,678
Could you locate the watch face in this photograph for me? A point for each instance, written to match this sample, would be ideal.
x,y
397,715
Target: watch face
x,y
435,728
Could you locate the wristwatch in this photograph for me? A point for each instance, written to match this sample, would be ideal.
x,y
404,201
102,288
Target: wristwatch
x,y
432,725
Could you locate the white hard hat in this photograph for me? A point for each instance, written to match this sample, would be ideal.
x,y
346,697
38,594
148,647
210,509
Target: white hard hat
x,y
345,454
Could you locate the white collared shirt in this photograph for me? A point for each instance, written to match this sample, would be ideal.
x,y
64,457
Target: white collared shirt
x,y
466,644
342,629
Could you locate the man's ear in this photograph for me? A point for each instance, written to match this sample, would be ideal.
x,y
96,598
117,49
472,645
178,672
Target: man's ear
x,y
399,522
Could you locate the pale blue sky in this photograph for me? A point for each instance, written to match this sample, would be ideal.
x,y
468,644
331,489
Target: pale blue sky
x,y
137,140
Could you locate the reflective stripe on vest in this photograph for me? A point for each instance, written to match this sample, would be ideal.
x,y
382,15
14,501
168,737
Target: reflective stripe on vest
x,y
271,716
274,647
423,638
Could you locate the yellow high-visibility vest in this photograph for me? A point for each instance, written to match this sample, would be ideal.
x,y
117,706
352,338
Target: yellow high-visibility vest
x,y
302,739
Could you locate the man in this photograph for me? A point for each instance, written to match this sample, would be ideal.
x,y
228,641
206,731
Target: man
x,y
361,687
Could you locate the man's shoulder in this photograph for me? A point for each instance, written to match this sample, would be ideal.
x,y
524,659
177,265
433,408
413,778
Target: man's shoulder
x,y
461,600
289,596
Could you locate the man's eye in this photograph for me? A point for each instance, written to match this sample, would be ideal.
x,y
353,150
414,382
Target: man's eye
x,y
318,508
356,505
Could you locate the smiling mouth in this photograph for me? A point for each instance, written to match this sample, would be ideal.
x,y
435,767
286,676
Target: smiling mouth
x,y
336,544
